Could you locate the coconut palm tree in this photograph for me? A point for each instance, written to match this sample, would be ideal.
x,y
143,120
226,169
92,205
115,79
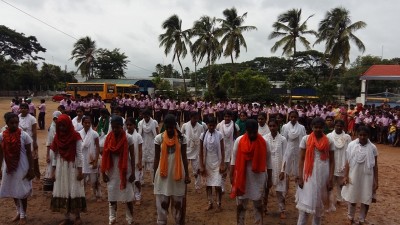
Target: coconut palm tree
x,y
289,28
337,30
84,54
175,38
232,28
206,43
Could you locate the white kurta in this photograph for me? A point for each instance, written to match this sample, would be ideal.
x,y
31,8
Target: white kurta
x,y
193,136
148,132
263,130
255,182
340,141
77,125
15,185
136,140
88,150
66,184
168,186
212,157
314,194
293,135
227,131
115,194
361,175
277,149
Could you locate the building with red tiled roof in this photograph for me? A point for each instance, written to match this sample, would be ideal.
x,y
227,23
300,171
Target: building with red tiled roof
x,y
382,72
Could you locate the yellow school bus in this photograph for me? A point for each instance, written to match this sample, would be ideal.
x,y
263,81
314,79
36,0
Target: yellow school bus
x,y
127,89
104,90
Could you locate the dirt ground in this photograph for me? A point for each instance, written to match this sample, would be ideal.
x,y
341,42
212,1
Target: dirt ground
x,y
383,212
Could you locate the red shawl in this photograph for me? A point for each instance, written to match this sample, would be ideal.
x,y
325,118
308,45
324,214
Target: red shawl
x,y
322,145
64,143
256,151
12,149
116,145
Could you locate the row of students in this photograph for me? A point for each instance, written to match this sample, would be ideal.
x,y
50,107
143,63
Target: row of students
x,y
252,157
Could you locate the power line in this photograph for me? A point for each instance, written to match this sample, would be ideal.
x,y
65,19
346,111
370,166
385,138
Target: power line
x,y
55,28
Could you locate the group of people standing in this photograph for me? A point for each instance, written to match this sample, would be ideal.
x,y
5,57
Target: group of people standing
x,y
257,153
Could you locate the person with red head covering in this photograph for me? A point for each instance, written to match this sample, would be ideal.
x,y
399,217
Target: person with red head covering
x,y
15,150
69,190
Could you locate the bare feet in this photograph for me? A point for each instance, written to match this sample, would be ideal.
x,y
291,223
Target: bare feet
x,y
209,207
138,203
283,215
16,218
22,221
64,222
219,208
78,221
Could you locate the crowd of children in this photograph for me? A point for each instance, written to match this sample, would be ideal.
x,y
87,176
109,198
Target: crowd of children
x,y
259,152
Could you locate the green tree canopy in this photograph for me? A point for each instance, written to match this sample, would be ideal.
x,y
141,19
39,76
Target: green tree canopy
x,y
289,29
337,30
84,53
110,64
175,38
17,46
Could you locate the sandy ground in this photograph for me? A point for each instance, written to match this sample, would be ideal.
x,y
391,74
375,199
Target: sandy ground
x,y
382,212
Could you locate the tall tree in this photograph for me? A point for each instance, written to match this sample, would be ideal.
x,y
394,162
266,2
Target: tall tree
x,y
232,28
207,44
17,46
110,64
175,38
84,54
289,28
337,30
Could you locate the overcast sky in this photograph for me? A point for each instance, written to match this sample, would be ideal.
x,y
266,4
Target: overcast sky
x,y
134,25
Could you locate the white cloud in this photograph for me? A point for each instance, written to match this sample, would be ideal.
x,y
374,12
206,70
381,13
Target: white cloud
x,y
134,26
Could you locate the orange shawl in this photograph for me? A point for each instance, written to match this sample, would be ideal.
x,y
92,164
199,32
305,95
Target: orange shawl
x,y
256,151
116,145
12,149
169,143
322,145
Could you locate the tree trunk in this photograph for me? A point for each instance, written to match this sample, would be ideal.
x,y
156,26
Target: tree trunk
x,y
183,75
234,75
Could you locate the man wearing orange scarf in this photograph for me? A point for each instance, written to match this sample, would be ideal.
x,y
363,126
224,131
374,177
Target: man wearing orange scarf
x,y
316,169
118,169
171,177
249,163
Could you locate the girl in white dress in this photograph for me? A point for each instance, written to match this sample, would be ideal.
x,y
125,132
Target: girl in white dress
x,y
278,145
47,181
340,140
262,124
212,158
137,142
148,129
118,169
360,174
91,151
315,179
294,132
69,189
172,175
229,130
17,166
